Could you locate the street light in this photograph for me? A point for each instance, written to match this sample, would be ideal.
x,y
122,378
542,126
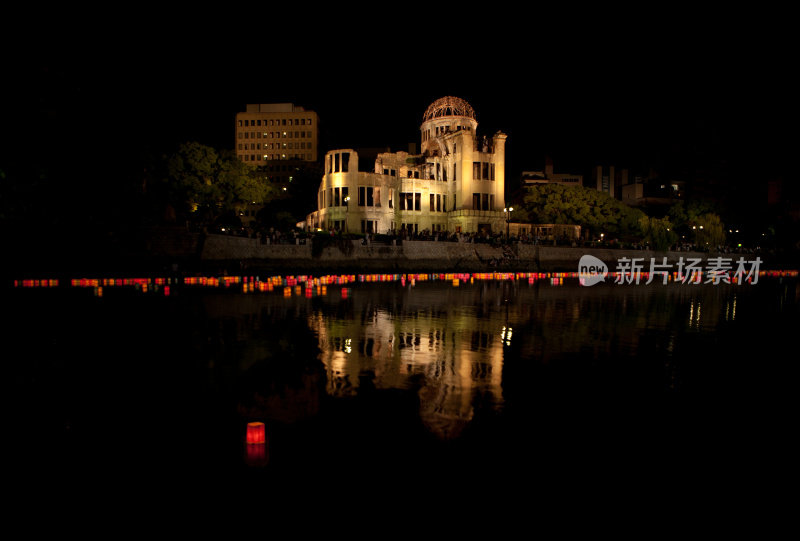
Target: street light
x,y
508,212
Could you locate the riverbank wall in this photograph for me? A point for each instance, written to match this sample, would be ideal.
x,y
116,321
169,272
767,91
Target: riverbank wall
x,y
175,251
411,256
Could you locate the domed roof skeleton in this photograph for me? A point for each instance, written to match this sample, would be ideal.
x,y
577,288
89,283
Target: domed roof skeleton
x,y
448,106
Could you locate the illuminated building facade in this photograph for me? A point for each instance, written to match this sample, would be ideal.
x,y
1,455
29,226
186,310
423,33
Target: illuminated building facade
x,y
276,136
455,184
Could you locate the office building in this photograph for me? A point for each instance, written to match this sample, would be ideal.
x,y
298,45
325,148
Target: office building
x,y
277,137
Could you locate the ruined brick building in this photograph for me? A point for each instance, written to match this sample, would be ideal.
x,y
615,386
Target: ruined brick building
x,y
455,184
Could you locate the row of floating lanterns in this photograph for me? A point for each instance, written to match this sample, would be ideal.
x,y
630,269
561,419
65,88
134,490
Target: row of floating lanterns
x,y
36,283
305,282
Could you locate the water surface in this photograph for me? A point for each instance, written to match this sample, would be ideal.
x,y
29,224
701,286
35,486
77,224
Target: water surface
x,y
380,383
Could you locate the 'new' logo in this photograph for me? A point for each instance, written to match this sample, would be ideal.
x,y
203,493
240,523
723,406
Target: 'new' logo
x,y
591,270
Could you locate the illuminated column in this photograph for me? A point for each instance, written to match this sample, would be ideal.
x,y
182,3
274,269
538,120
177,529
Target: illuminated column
x,y
499,170
465,183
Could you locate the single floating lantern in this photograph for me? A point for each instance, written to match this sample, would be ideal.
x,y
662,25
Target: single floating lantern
x,y
256,433
256,452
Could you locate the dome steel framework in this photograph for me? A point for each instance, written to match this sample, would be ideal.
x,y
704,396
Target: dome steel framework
x,y
448,106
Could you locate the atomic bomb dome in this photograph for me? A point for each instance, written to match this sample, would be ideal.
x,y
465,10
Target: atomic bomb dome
x,y
445,116
448,106
456,184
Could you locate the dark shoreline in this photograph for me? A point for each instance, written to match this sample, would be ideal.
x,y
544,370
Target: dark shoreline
x,y
217,255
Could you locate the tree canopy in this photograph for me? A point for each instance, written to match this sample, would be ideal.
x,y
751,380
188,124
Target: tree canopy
x,y
658,232
698,221
208,183
596,211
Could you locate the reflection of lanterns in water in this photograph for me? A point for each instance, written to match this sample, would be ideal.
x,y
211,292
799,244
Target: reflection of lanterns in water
x,y
256,448
505,336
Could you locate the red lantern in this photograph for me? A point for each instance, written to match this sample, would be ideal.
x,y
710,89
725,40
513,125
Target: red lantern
x,y
255,433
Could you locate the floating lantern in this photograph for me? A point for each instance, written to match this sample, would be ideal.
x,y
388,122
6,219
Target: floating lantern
x,y
256,453
256,433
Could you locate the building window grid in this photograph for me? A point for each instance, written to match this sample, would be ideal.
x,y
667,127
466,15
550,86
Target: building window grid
x,y
483,170
482,201
369,196
410,201
438,203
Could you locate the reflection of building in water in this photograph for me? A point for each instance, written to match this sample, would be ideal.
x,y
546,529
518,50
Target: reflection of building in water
x,y
463,349
459,355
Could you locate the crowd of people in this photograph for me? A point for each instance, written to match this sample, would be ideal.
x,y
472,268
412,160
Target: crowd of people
x,y
396,237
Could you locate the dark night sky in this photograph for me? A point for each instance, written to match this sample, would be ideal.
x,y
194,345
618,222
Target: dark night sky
x,y
665,88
